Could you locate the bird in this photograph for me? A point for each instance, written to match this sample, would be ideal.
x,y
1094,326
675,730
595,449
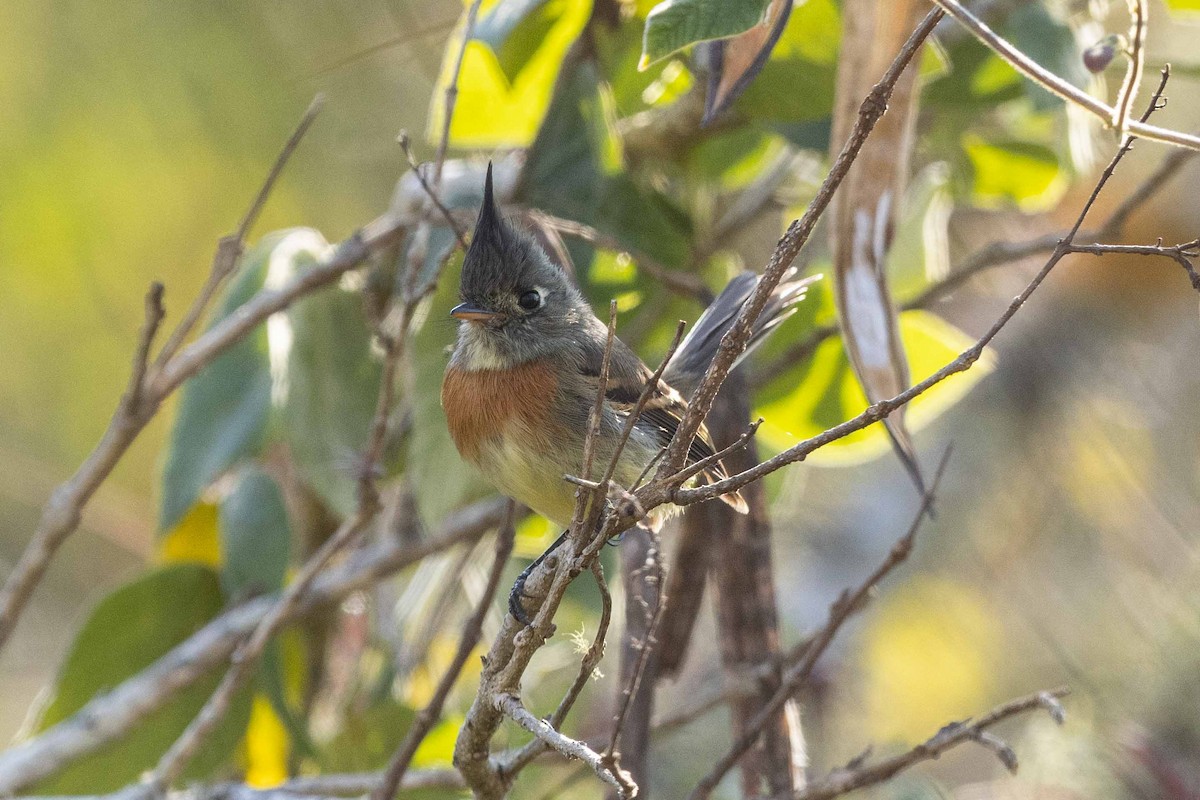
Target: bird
x,y
523,376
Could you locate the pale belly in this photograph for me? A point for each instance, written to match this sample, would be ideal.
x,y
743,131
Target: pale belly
x,y
533,475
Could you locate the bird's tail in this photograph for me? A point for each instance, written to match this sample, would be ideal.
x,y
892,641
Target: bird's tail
x,y
699,347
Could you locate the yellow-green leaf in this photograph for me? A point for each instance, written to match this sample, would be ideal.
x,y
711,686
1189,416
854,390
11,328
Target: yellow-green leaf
x,y
492,109
1012,172
827,392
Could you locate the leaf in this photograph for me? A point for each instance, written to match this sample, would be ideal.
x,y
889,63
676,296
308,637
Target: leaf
x,y
494,109
267,746
734,63
195,540
574,170
368,739
1021,173
1049,42
223,413
1183,5
255,535
126,632
826,392
326,376
674,24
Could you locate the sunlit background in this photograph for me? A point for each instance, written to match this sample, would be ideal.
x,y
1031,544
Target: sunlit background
x,y
1065,548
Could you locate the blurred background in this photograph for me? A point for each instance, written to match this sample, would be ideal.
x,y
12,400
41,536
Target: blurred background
x,y
1066,548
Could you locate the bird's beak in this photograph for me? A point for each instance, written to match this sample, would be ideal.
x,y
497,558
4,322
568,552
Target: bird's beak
x,y
472,313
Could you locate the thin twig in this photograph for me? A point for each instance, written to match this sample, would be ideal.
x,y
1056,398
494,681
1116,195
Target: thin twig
x,y
858,776
1056,85
452,91
657,568
230,248
406,146
839,612
1134,64
141,357
471,632
696,467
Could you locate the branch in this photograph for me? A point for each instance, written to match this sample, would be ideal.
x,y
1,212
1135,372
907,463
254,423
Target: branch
x,y
734,341
857,777
878,411
568,747
111,715
452,91
471,632
1056,85
839,612
1135,63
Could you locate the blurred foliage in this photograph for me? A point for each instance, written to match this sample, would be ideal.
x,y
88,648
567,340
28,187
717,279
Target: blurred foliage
x,y
158,148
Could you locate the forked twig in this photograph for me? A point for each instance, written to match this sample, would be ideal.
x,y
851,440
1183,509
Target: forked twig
x,y
858,776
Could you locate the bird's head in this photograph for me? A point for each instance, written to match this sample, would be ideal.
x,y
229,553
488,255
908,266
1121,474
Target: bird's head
x,y
516,305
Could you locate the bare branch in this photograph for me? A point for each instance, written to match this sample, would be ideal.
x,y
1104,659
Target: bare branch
x,y
111,715
568,747
406,146
858,776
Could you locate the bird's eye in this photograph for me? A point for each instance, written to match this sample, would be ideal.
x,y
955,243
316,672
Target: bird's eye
x,y
531,300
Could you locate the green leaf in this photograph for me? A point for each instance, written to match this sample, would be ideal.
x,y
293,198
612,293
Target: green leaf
x,y
1051,44
129,630
223,410
329,381
255,535
826,392
674,24
574,170
368,739
1012,172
